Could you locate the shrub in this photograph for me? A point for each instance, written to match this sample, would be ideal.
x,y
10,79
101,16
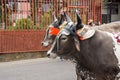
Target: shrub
x,y
24,24
46,19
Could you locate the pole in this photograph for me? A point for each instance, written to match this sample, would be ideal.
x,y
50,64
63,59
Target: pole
x,y
110,15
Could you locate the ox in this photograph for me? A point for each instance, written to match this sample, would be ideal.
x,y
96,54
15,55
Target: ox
x,y
97,55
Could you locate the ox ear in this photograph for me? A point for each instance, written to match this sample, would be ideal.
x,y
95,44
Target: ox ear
x,y
79,21
77,43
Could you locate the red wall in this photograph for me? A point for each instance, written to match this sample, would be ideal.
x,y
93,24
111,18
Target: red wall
x,y
21,41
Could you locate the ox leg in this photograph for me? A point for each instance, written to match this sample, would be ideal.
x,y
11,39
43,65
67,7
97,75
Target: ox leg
x,y
117,77
79,77
79,73
82,74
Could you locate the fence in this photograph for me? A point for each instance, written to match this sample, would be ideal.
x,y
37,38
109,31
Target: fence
x,y
33,16
37,14
21,41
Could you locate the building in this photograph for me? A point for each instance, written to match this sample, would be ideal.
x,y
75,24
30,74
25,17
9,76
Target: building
x,y
110,11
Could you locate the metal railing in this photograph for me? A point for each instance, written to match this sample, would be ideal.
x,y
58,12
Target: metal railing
x,y
37,14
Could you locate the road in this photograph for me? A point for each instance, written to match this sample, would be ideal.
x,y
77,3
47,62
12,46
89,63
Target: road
x,y
37,69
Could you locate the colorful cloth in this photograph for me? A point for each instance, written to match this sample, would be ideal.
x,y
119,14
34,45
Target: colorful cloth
x,y
85,33
117,36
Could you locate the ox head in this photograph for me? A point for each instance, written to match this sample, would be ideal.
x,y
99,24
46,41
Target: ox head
x,y
51,31
54,28
66,42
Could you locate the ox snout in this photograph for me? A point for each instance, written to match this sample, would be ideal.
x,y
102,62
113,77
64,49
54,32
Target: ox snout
x,y
48,55
45,44
51,55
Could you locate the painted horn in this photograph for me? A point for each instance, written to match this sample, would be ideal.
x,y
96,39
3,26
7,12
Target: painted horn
x,y
67,18
79,21
54,18
61,19
78,17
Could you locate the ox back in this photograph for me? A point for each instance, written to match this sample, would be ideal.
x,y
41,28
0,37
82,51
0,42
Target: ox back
x,y
113,27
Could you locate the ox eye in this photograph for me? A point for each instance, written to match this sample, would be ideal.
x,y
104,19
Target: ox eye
x,y
63,37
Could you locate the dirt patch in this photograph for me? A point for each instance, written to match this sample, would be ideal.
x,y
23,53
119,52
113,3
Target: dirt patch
x,y
21,56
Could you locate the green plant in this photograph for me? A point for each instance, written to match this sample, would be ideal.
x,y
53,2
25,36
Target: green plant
x,y
46,19
24,24
0,13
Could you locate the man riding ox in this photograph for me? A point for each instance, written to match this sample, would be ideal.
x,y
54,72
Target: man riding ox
x,y
96,52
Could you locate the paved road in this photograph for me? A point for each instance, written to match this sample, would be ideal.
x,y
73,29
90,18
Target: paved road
x,y
37,69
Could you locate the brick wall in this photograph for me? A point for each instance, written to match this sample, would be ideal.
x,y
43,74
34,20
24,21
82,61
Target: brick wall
x,y
21,41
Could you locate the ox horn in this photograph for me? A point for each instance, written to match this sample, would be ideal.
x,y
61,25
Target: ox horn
x,y
79,21
67,18
61,19
54,17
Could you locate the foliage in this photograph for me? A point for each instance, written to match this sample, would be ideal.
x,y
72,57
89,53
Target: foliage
x,y
46,19
24,24
0,12
105,0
